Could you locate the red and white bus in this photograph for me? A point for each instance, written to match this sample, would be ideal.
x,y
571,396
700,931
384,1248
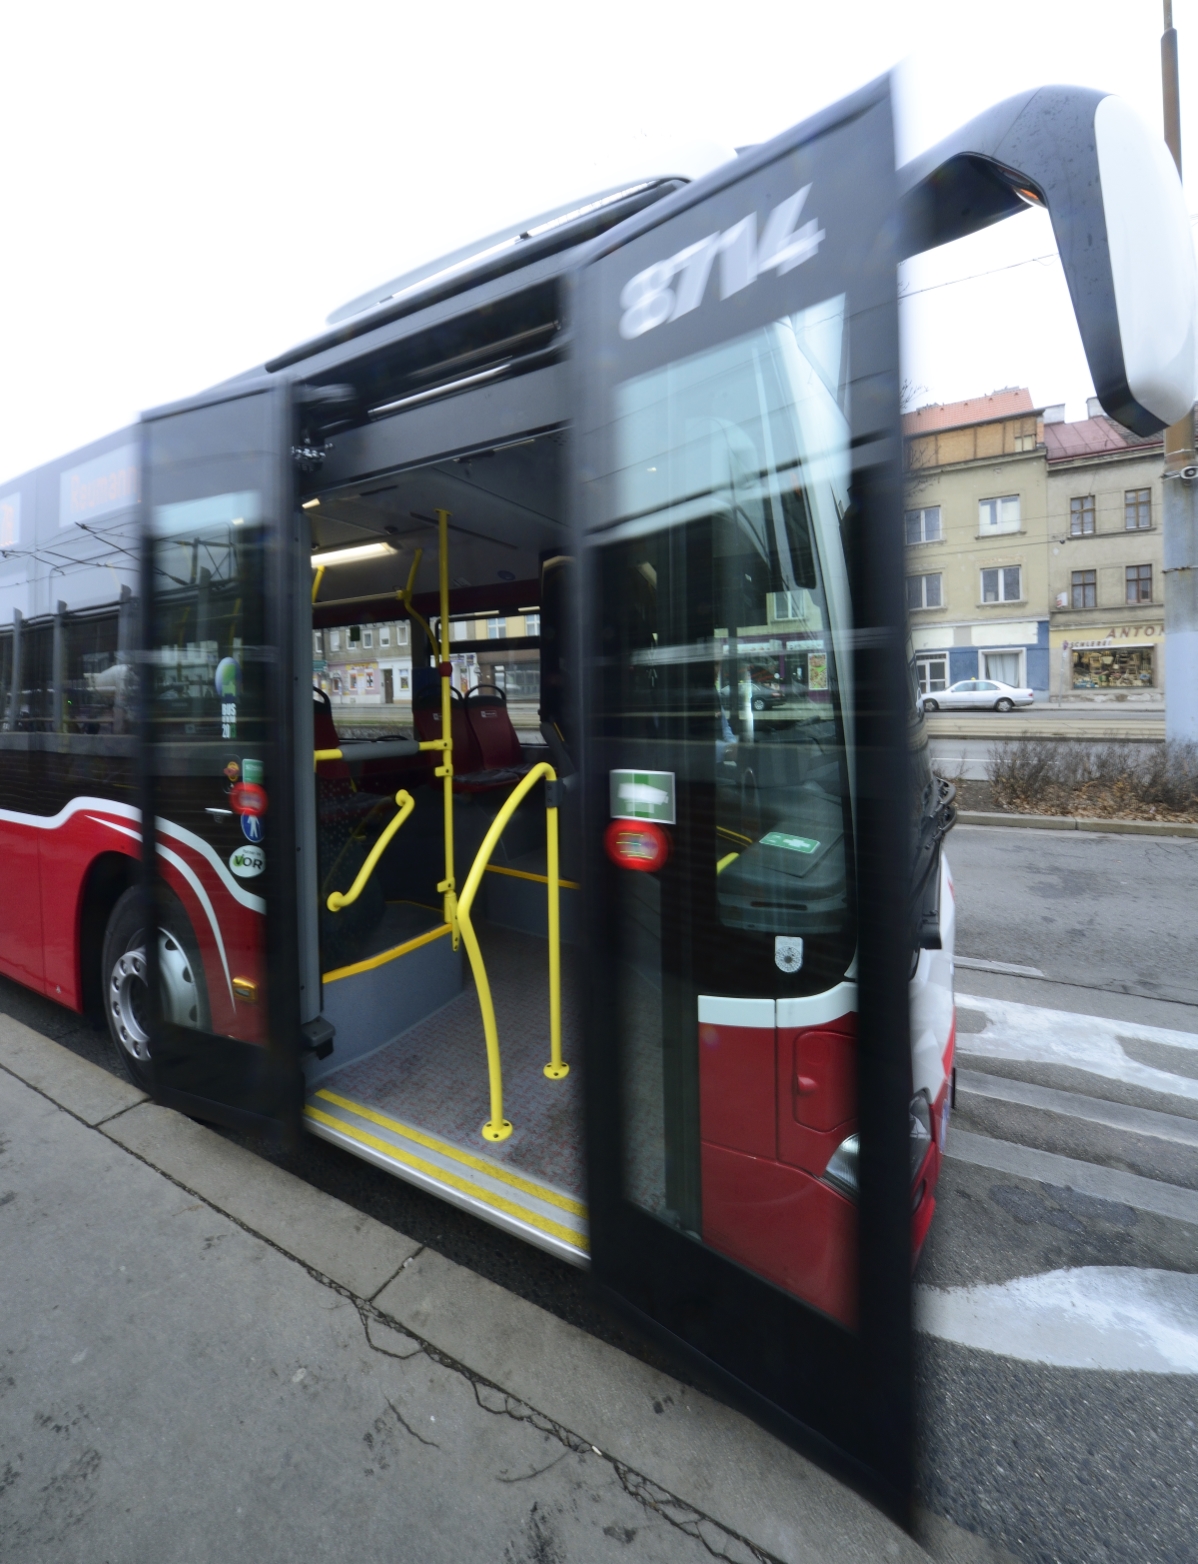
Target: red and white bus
x,y
655,971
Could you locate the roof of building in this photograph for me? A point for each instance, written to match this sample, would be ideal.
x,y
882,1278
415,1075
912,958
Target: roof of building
x,y
1091,437
1010,402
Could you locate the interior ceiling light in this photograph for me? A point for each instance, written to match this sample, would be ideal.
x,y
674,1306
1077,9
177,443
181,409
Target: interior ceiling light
x,y
309,504
351,555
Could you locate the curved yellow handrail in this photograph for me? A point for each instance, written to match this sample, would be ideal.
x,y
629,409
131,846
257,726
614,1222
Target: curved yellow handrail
x,y
406,805
324,754
497,1127
405,597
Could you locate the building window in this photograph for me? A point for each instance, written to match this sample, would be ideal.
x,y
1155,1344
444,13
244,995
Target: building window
x,y
923,526
353,635
496,629
532,624
1084,589
384,635
924,592
1081,516
403,633
1001,515
932,673
1139,583
335,641
1137,510
1006,667
318,643
368,638
1025,442
1002,585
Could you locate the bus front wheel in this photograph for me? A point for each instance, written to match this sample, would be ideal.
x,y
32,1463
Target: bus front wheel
x,y
124,977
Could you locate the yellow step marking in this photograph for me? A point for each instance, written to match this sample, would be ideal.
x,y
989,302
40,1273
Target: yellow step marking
x,y
525,874
494,1170
442,1176
386,955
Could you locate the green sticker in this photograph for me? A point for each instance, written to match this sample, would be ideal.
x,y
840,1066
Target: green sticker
x,y
793,844
643,795
252,771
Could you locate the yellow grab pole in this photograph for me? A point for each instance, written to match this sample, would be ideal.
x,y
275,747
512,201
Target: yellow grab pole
x,y
556,1070
497,1127
445,769
405,596
320,570
324,754
406,804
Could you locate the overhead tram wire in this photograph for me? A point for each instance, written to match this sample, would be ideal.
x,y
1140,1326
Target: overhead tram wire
x,y
991,271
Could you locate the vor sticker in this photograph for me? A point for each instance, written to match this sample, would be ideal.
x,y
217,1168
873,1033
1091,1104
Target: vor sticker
x,y
247,862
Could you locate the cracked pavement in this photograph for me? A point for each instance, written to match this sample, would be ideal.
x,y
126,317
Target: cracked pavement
x,y
201,1357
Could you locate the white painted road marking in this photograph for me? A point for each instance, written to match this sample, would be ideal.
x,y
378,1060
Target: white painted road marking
x,y
976,964
1028,1032
1114,1318
1075,1105
1088,1178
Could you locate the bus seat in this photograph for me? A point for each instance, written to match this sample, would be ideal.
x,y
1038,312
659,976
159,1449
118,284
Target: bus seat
x,y
324,733
486,708
426,718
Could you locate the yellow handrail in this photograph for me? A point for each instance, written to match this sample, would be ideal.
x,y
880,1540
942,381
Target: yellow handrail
x,y
497,1127
324,754
405,596
406,804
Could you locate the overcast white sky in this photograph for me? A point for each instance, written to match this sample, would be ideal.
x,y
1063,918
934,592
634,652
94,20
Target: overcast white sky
x,y
191,188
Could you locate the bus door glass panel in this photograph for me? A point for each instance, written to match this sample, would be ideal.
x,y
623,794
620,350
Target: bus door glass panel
x,y
216,771
734,464
737,400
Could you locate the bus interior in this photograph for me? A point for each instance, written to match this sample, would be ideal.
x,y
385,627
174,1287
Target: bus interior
x,y
411,1082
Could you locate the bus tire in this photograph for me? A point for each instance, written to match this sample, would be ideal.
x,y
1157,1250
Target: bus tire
x,y
123,979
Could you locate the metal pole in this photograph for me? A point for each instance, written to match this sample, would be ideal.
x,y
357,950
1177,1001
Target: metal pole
x,y
1180,510
14,708
59,674
448,886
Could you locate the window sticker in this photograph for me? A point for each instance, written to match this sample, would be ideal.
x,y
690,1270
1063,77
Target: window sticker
x,y
793,844
643,795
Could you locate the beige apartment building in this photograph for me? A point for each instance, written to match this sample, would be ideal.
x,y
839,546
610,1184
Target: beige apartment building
x,y
1107,615
1034,550
371,664
977,536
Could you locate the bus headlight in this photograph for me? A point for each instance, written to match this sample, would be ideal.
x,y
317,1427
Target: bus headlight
x,y
921,1132
841,1171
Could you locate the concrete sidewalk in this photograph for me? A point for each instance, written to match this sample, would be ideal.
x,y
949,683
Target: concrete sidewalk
x,y
204,1358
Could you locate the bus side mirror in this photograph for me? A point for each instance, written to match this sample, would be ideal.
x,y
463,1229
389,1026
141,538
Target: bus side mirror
x,y
1120,222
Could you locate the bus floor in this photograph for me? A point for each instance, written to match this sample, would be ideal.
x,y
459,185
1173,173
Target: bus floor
x,y
417,1105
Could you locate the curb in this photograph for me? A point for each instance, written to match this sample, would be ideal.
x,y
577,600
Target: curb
x,y
1077,823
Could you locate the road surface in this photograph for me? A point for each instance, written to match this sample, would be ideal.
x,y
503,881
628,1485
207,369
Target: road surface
x,y
1059,1356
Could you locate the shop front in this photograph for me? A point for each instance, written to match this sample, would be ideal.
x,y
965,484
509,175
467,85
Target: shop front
x,y
1128,658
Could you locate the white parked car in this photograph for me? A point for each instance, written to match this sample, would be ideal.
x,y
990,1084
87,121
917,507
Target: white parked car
x,y
982,694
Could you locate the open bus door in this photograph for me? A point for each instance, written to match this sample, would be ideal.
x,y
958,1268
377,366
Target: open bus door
x,y
222,572
745,723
